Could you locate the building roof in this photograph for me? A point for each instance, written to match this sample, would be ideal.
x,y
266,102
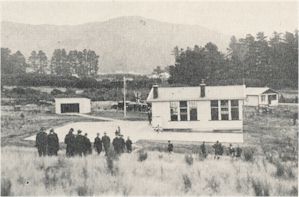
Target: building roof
x,y
70,99
193,93
259,90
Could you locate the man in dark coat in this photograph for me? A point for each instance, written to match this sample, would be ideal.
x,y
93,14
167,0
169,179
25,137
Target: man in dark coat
x,y
238,151
129,145
98,144
217,149
53,143
149,115
116,144
106,143
122,144
41,142
87,145
203,149
231,150
69,140
170,147
79,143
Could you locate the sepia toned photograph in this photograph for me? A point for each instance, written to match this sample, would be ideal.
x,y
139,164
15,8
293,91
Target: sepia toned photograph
x,y
149,98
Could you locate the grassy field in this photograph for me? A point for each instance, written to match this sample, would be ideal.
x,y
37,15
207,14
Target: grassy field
x,y
269,164
158,174
15,127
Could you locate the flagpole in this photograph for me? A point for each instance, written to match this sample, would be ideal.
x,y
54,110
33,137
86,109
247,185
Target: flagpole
x,y
125,106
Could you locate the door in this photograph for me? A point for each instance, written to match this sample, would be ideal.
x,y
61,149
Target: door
x,y
70,108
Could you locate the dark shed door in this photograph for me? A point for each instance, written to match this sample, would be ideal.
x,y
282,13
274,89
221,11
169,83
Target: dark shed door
x,y
70,108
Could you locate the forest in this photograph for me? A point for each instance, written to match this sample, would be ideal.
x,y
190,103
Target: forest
x,y
255,61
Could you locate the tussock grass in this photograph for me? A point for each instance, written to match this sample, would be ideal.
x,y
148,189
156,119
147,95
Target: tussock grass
x,y
27,174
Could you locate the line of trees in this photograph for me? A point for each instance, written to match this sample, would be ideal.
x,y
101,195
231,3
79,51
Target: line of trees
x,y
257,60
81,63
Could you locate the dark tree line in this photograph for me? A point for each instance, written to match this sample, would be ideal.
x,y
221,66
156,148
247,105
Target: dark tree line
x,y
12,63
256,60
82,63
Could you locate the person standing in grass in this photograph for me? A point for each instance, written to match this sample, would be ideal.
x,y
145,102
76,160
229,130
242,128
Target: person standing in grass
x,y
87,145
116,142
106,143
129,145
217,149
53,143
231,150
98,144
69,140
41,142
79,143
238,152
122,144
170,147
295,117
203,149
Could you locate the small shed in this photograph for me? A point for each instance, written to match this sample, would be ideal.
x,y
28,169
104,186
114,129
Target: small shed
x,y
261,96
72,105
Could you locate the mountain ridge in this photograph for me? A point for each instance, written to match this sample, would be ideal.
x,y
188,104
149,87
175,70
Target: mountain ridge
x,y
128,44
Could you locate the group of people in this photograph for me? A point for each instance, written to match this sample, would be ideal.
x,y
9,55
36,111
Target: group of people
x,y
47,144
219,150
79,144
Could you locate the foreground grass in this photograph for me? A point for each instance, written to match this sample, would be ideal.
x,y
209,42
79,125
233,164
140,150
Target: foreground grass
x,y
159,174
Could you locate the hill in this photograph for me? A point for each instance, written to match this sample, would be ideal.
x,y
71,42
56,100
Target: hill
x,y
125,44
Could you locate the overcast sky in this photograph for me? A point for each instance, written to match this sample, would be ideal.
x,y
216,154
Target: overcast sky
x,y
227,17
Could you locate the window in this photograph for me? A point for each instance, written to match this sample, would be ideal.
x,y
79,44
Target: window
x,y
272,97
235,109
263,98
193,110
224,110
214,110
173,111
183,111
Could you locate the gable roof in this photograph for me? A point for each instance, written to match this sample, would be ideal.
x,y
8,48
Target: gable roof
x,y
193,93
259,90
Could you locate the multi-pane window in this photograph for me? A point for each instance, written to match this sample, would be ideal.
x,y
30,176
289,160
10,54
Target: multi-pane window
x,y
193,110
235,109
173,111
224,110
183,111
263,98
214,110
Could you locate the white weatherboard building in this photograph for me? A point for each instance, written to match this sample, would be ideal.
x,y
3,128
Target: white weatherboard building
x,y
261,96
72,105
204,108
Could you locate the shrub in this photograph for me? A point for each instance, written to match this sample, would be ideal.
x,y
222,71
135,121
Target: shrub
x,y
294,191
280,171
213,183
248,154
189,159
5,187
82,190
187,183
260,189
142,155
110,158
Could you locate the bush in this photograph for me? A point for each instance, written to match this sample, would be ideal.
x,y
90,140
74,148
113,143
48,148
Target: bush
x,y
280,171
5,187
189,159
248,154
142,155
260,189
110,158
187,183
294,191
